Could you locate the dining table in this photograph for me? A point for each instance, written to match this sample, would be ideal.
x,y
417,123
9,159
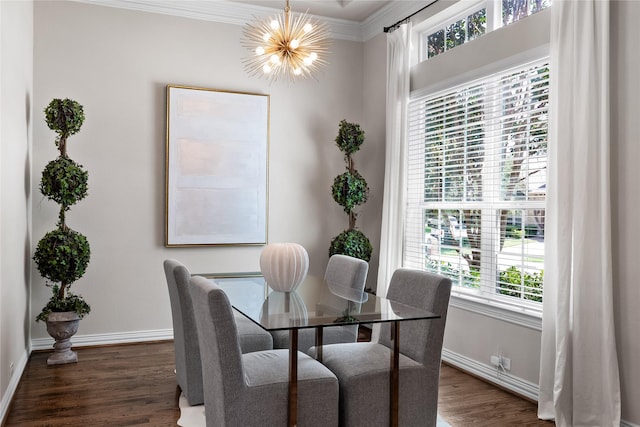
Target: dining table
x,y
316,304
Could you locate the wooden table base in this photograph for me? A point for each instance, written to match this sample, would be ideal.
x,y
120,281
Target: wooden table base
x,y
293,378
395,374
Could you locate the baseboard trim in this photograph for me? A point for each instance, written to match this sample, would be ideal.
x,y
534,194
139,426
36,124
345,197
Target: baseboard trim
x,y
106,339
624,423
7,397
488,373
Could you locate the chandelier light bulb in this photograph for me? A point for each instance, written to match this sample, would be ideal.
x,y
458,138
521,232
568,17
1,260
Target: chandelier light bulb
x,y
274,59
313,56
307,28
297,71
294,44
260,50
266,68
307,61
274,25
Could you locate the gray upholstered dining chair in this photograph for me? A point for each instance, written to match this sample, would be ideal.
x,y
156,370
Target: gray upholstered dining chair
x,y
185,338
363,369
345,276
251,390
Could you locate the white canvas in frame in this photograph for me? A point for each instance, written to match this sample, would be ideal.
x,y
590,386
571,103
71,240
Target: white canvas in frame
x,y
216,167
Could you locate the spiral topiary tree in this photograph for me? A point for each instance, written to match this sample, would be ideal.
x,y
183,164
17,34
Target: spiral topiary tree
x,y
63,254
350,190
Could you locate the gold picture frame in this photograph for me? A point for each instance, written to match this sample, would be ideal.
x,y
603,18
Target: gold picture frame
x,y
217,145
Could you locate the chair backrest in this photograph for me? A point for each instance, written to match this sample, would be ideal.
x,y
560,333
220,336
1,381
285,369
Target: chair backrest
x,y
222,371
420,340
346,275
185,336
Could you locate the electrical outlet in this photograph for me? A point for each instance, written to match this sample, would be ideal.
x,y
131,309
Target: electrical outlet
x,y
506,363
501,362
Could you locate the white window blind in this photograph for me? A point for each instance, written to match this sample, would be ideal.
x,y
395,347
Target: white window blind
x,y
477,184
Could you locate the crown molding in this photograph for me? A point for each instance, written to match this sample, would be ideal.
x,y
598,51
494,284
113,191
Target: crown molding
x,y
240,13
225,12
388,15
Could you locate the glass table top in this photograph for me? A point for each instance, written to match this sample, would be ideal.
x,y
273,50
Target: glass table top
x,y
314,303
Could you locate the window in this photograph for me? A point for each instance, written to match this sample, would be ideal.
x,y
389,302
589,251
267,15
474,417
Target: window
x,y
456,33
460,27
476,186
513,10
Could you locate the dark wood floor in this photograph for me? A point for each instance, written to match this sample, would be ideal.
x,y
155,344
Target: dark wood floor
x,y
128,385
464,400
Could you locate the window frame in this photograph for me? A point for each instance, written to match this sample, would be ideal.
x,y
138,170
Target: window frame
x,y
525,313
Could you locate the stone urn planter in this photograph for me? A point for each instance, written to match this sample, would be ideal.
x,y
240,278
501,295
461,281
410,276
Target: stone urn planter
x,y
62,326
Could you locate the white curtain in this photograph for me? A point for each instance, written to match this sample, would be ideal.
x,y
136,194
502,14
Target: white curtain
x,y
393,205
579,379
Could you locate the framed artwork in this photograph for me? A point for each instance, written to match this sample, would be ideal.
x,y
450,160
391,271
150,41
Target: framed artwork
x,y
216,167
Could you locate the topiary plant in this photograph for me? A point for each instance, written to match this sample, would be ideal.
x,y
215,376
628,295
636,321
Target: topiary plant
x,y
62,255
349,190
64,182
353,243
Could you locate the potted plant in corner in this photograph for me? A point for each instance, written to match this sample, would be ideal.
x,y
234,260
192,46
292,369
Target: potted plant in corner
x,y
349,190
63,254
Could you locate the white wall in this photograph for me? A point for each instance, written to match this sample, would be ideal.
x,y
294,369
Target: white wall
x,y
625,155
371,158
16,94
117,63
118,71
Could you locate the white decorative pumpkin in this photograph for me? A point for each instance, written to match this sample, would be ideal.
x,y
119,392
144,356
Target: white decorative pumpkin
x,y
284,265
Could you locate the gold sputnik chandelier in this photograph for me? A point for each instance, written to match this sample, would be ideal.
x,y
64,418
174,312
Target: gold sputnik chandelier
x,y
285,46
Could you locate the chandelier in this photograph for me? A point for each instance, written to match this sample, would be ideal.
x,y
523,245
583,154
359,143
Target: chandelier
x,y
285,46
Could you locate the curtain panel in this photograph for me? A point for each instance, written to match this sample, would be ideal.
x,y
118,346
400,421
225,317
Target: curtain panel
x,y
579,379
393,205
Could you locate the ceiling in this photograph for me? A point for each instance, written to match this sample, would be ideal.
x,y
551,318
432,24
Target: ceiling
x,y
351,10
